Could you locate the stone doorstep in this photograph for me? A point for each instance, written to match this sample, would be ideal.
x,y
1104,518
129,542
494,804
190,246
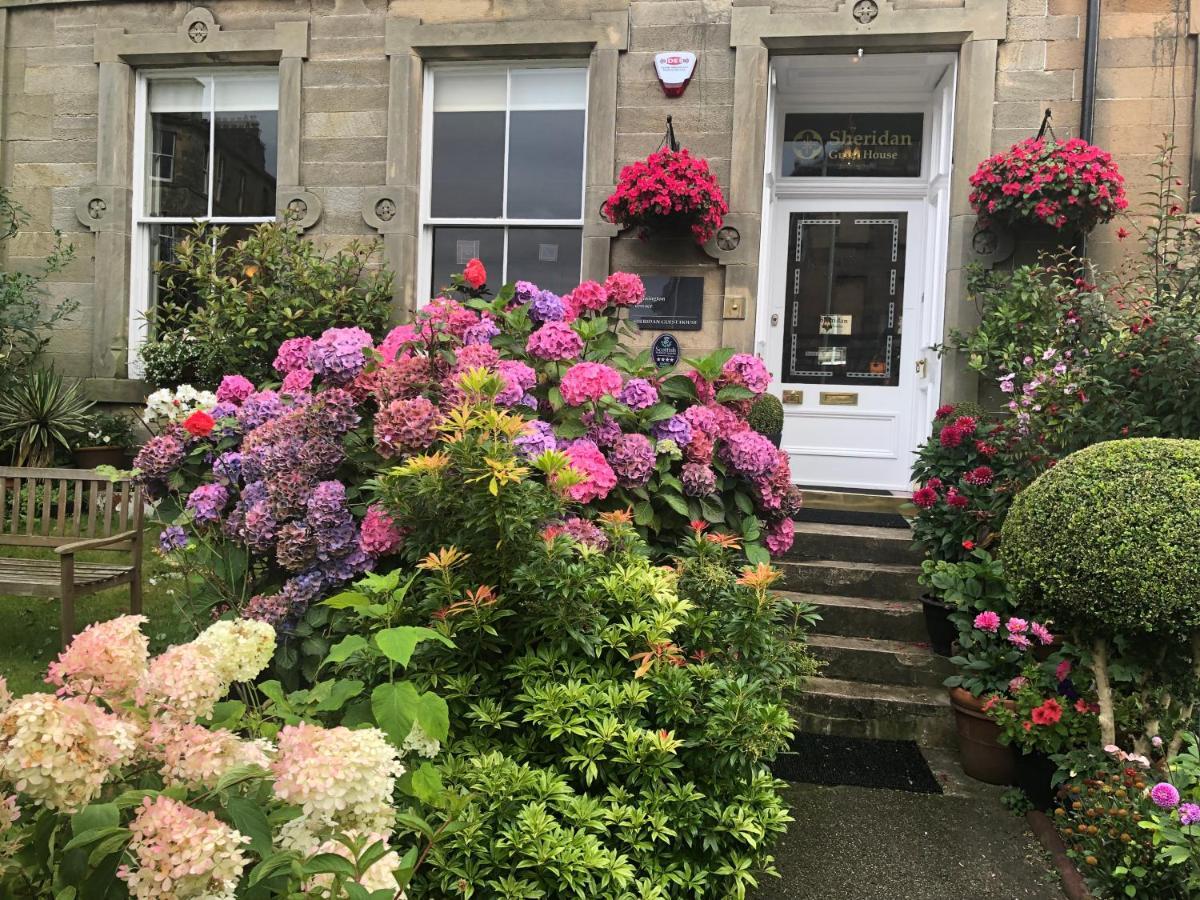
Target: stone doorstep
x,y
880,581
879,711
895,620
853,543
879,661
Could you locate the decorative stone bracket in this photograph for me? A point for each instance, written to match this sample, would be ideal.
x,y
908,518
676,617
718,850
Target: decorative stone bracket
x,y
102,208
301,207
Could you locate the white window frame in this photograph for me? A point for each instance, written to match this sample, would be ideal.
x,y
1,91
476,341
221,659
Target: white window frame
x,y
140,251
428,222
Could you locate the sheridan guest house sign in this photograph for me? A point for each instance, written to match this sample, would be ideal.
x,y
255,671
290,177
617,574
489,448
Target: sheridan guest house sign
x,y
675,302
854,145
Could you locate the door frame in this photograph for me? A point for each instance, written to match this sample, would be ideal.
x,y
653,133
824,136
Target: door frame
x,y
932,189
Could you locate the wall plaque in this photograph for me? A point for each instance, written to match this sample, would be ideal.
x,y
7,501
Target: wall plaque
x,y
665,351
671,302
856,145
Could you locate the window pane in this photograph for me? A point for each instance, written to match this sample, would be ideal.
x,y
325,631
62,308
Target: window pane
x,y
179,94
549,257
247,92
454,247
468,164
480,89
245,147
549,88
177,164
545,165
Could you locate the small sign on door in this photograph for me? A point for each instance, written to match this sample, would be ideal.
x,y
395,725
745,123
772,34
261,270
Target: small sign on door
x,y
831,324
831,356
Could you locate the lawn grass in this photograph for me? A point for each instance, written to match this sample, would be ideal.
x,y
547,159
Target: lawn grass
x,y
29,635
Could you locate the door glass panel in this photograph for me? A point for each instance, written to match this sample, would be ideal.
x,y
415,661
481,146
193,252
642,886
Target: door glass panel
x,y
845,298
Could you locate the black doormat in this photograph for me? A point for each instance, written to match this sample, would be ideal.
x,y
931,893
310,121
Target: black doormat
x,y
848,517
858,762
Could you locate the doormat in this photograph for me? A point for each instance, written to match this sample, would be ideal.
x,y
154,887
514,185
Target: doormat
x,y
848,517
856,762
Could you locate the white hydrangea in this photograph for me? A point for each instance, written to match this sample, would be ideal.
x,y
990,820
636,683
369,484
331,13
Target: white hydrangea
x,y
60,751
241,647
167,405
420,743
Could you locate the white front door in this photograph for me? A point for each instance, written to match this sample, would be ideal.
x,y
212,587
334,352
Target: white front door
x,y
846,281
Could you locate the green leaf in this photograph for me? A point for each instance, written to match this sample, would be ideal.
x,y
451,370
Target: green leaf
x,y
399,643
270,866
345,648
239,775
330,863
347,600
434,716
93,835
342,690
713,512
734,392
381,584
757,553
427,783
394,706
248,818
98,815
643,513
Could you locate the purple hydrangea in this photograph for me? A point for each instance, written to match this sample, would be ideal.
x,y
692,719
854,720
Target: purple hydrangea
x,y
524,291
228,467
337,355
603,431
481,333
173,537
338,409
674,429
159,457
632,458
698,479
537,439
258,526
1164,795
292,355
580,530
258,409
546,307
296,549
1189,814
638,393
518,379
749,453
207,502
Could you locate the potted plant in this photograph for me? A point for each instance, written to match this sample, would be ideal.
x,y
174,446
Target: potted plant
x,y
1069,187
766,417
973,586
40,414
1045,716
106,442
669,190
992,650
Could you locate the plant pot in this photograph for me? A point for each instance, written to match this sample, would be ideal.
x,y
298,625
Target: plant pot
x,y
942,631
984,758
90,457
1034,773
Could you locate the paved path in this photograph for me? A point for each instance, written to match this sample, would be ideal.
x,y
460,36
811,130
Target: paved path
x,y
851,843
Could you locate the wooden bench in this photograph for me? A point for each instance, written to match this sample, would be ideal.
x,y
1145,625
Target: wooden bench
x,y
69,510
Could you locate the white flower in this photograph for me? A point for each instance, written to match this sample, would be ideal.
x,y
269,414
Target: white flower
x,y
168,405
421,743
241,647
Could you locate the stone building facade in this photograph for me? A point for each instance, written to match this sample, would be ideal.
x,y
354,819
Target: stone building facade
x,y
351,130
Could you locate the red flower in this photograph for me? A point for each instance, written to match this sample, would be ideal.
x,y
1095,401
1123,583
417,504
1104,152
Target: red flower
x,y
1049,713
1122,233
980,475
1081,706
968,544
475,274
944,411
199,424
924,497
957,500
950,436
699,526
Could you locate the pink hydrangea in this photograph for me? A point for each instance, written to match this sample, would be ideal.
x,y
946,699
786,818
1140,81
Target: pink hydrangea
x,y
379,534
589,381
988,621
748,371
183,684
394,341
197,757
554,341
590,295
780,535
292,355
234,389
181,852
624,289
106,660
749,453
297,381
638,393
705,392
444,316
406,426
599,478
519,379
338,354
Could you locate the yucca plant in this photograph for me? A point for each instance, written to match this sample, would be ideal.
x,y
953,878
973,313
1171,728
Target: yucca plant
x,y
40,412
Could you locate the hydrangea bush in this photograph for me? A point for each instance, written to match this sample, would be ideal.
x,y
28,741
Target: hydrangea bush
x,y
172,777
270,487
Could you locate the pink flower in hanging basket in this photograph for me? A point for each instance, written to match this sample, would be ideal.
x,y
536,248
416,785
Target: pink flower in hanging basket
x,y
1069,186
670,188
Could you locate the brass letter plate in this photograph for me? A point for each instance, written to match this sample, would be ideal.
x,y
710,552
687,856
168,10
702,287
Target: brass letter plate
x,y
793,396
835,398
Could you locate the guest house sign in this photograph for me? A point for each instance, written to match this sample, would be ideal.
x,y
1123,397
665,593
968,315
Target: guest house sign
x,y
852,145
671,302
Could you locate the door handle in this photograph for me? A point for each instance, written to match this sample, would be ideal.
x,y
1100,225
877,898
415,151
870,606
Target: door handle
x,y
922,365
774,319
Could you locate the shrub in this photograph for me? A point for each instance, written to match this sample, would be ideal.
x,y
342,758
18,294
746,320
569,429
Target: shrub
x,y
612,719
228,305
766,415
1108,541
26,318
41,415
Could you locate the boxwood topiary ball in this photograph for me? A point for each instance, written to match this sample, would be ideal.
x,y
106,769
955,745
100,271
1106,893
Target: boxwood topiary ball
x,y
766,415
1108,541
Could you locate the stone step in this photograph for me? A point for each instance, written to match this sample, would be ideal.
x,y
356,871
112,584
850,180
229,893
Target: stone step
x,y
853,543
878,581
879,661
881,711
893,620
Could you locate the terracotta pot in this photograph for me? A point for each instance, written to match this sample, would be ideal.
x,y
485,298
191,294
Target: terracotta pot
x,y
90,457
1034,773
984,758
937,622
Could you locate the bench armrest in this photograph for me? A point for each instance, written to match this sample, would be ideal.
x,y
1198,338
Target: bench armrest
x,y
95,543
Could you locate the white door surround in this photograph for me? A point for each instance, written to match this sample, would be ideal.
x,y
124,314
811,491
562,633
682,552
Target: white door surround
x,y
850,423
